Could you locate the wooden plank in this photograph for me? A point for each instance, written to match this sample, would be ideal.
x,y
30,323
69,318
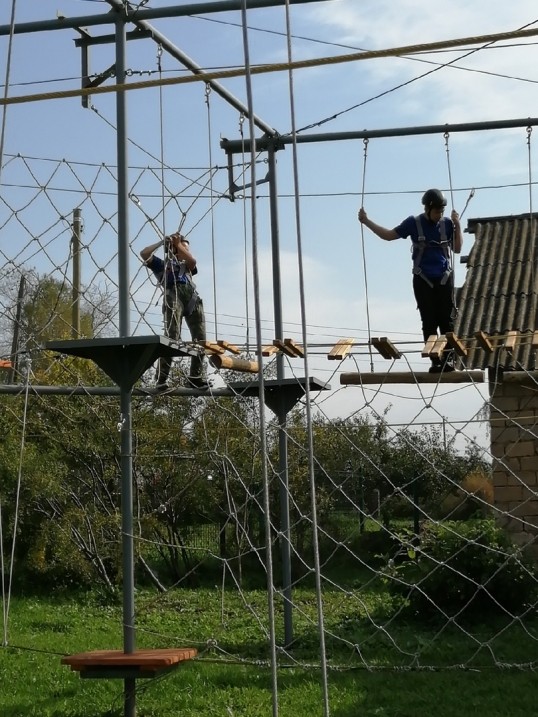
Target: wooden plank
x,y
149,659
428,346
535,340
5,364
341,349
232,348
438,347
454,343
269,350
211,347
401,377
483,341
299,351
386,348
511,339
233,363
288,347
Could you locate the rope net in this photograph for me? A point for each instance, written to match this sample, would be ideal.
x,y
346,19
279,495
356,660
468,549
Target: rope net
x,y
420,522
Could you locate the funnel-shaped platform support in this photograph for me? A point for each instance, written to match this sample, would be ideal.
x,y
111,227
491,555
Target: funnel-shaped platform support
x,y
123,359
280,392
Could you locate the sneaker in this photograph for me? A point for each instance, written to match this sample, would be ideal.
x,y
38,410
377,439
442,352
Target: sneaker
x,y
161,387
435,368
448,366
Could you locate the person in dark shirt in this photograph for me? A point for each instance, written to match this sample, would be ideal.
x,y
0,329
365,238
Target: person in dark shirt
x,y
180,300
434,239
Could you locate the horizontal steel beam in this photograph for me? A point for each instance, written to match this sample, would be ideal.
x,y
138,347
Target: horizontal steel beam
x,y
236,146
64,23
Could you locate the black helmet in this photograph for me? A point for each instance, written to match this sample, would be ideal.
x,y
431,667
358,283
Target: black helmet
x,y
433,198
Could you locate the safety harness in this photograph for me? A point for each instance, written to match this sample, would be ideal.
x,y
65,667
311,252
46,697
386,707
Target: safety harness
x,y
187,279
421,245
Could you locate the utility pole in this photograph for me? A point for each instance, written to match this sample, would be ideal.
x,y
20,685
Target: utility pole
x,y
75,246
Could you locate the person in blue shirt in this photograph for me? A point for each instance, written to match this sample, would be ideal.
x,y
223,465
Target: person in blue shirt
x,y
434,238
180,300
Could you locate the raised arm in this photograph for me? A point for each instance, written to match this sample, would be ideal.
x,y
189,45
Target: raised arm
x,y
458,237
148,251
381,232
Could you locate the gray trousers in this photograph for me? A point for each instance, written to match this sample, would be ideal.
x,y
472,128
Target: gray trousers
x,y
175,302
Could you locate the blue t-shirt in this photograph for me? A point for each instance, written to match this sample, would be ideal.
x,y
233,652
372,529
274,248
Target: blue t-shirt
x,y
434,261
174,272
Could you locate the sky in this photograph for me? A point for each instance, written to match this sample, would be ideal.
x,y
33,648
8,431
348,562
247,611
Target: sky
x,y
58,155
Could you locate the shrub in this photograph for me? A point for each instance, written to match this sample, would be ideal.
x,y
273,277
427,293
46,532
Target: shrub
x,y
463,567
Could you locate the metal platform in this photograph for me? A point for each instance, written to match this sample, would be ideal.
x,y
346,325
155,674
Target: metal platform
x,y
279,392
123,359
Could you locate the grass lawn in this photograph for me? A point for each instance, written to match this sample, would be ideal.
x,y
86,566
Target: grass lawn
x,y
373,658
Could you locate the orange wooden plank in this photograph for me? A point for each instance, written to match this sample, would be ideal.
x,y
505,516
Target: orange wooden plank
x,y
5,364
159,658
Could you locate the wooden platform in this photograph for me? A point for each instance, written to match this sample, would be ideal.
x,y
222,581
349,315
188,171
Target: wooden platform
x,y
361,379
118,664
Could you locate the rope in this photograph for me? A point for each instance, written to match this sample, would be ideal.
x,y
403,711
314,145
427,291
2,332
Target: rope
x,y
161,128
273,67
6,594
452,259
262,413
365,142
307,400
210,156
245,238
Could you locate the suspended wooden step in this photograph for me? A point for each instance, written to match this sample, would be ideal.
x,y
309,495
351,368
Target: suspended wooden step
x,y
455,344
483,341
341,349
5,364
386,348
286,346
362,379
289,347
106,664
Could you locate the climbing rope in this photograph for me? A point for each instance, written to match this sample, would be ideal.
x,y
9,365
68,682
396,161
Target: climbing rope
x,y
308,403
262,415
6,587
365,273
210,160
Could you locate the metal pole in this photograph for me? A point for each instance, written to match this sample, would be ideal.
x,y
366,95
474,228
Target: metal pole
x,y
75,245
281,408
65,23
237,146
129,636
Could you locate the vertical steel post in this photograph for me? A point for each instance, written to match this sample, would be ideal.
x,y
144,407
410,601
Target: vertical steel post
x,y
281,412
129,642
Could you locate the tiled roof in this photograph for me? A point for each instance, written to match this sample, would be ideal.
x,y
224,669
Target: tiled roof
x,y
499,291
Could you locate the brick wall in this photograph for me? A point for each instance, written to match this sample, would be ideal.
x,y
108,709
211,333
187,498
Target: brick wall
x,y
514,447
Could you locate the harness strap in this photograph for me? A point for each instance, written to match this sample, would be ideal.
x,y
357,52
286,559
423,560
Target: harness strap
x,y
192,302
422,244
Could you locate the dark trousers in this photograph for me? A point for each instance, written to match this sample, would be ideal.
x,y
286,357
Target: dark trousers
x,y
175,302
435,304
